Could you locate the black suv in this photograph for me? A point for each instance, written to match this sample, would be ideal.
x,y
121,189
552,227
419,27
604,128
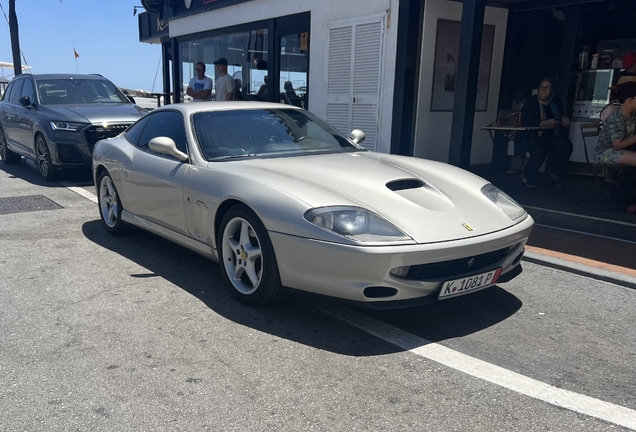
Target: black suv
x,y
56,119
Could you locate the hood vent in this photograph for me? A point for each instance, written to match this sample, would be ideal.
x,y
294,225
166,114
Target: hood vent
x,y
398,185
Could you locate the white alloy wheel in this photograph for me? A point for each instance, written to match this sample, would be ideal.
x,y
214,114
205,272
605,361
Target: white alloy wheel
x,y
247,258
109,204
242,256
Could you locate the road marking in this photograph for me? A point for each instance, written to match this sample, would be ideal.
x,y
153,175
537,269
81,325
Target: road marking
x,y
80,191
464,363
486,371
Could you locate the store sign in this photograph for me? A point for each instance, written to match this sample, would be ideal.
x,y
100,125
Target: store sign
x,y
189,7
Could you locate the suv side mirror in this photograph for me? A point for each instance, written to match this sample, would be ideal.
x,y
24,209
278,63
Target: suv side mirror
x,y
25,101
165,145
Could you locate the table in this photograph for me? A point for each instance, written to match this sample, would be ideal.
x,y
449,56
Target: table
x,y
500,148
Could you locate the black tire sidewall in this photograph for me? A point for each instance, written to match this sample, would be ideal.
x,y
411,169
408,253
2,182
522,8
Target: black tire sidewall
x,y
269,289
52,174
10,157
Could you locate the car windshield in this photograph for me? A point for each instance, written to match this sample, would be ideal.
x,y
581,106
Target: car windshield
x,y
78,91
225,135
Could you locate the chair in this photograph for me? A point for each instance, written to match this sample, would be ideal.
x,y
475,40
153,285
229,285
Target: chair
x,y
590,130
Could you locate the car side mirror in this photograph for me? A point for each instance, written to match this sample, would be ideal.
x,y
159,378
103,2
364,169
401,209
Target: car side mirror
x,y
165,145
357,136
25,101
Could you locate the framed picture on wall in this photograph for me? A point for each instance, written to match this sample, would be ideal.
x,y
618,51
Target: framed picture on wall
x,y
445,66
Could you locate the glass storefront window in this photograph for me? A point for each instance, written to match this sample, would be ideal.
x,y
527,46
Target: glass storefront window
x,y
294,64
247,54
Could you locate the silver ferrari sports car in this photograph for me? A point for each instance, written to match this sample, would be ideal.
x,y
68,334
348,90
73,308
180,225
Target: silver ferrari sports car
x,y
283,202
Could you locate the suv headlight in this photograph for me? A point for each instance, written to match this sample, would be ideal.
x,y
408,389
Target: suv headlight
x,y
355,223
66,126
504,202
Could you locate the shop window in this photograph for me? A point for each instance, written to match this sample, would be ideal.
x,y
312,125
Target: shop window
x,y
294,67
247,54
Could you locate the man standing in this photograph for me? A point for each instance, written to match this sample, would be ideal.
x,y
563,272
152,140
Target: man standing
x,y
224,83
200,86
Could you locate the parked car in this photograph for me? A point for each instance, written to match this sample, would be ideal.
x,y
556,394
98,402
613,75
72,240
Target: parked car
x,y
281,199
56,119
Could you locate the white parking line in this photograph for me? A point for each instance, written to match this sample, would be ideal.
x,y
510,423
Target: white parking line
x,y
80,191
464,363
483,370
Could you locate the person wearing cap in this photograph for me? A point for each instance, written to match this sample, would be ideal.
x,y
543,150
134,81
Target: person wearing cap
x,y
200,86
629,66
545,110
224,86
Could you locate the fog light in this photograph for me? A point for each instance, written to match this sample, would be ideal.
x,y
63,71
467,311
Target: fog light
x,y
400,271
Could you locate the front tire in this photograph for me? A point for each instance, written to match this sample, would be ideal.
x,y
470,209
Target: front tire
x,y
247,258
109,205
8,157
43,159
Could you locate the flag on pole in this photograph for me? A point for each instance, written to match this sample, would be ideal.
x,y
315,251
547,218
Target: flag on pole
x,y
76,54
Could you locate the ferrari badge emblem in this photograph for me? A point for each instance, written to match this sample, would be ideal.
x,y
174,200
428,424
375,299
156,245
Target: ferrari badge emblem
x,y
468,227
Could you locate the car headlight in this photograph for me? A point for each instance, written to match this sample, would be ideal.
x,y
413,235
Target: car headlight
x,y
504,202
355,223
66,126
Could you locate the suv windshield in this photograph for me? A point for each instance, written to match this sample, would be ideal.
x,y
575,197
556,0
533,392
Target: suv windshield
x,y
265,132
78,91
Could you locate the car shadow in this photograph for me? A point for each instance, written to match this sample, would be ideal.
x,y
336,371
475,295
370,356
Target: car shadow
x,y
298,319
26,170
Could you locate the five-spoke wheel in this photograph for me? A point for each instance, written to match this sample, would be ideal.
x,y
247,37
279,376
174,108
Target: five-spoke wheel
x,y
247,258
109,204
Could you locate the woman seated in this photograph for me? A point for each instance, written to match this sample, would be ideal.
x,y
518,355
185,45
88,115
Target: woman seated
x,y
617,138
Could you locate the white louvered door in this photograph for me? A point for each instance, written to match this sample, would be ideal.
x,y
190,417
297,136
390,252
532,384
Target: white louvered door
x,y
354,74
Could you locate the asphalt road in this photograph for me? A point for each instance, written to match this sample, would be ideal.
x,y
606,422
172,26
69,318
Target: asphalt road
x,y
102,333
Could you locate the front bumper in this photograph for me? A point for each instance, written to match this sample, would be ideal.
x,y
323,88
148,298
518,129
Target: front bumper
x,y
344,272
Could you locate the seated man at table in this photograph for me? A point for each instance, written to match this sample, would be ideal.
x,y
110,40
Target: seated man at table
x,y
617,138
545,111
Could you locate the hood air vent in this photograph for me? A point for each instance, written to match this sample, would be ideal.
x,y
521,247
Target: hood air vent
x,y
398,185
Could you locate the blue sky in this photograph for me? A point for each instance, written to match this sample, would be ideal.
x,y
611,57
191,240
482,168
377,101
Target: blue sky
x,y
106,38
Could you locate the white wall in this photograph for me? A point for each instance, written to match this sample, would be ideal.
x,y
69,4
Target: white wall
x,y
322,12
433,129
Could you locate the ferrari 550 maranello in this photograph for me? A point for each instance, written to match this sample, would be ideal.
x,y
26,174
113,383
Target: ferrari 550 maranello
x,y
283,201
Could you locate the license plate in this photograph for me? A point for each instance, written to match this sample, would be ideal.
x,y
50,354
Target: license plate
x,y
468,284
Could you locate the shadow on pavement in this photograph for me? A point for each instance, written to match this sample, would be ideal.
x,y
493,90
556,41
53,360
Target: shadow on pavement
x,y
27,171
297,320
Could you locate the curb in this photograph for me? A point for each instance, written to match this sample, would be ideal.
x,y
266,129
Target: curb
x,y
580,269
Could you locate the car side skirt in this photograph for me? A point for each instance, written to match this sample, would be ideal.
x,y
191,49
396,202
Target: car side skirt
x,y
187,242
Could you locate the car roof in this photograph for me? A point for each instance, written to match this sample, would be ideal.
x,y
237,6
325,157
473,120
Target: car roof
x,y
193,107
63,76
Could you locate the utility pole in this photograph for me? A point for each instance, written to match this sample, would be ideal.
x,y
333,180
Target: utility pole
x,y
15,39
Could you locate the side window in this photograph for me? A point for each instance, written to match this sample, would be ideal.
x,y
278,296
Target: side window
x,y
7,92
134,132
16,91
27,90
168,124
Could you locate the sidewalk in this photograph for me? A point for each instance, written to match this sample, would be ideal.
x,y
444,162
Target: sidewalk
x,y
602,258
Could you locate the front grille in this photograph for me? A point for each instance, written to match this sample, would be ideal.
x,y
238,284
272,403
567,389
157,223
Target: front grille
x,y
96,133
453,268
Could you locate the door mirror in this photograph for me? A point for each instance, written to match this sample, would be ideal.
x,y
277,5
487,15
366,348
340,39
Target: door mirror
x,y
357,136
25,101
165,145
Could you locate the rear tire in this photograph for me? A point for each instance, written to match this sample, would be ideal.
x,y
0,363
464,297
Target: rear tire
x,y
109,205
43,159
8,157
247,258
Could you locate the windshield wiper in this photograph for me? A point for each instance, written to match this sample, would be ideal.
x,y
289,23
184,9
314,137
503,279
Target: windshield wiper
x,y
220,158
